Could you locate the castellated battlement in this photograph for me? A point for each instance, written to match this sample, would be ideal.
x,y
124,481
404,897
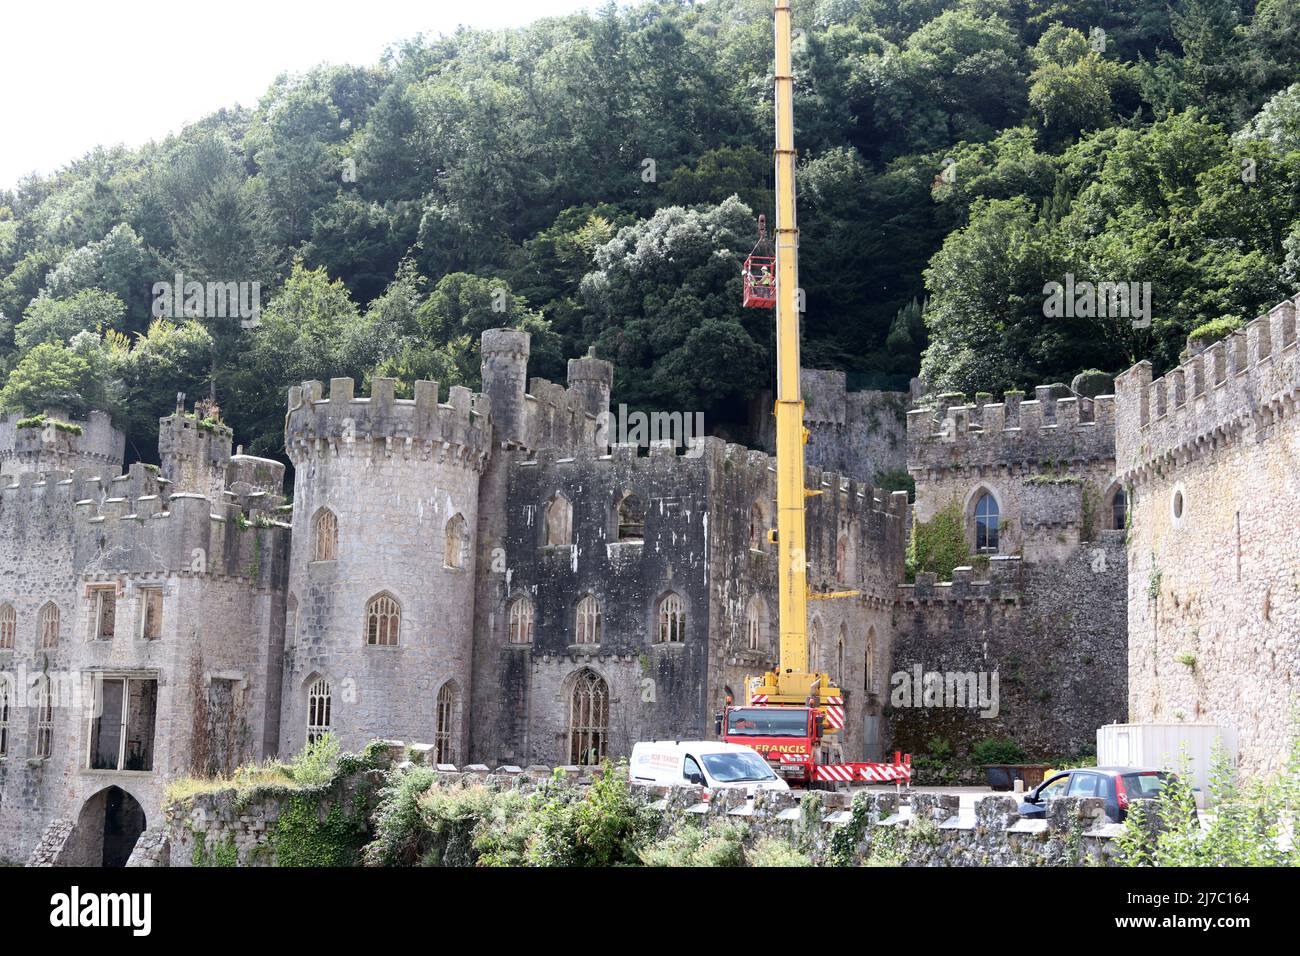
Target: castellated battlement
x,y
341,424
92,443
1250,377
1004,583
184,533
1013,432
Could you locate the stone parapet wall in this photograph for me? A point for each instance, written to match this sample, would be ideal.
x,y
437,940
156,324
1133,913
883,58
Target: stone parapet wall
x,y
1044,431
1251,375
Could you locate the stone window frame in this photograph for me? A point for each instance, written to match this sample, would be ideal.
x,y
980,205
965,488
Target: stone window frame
x,y
320,707
588,621
816,643
455,554
6,707
629,518
758,527
976,498
291,621
557,516
840,642
43,738
447,705
127,678
590,703
869,662
383,620
1177,505
98,596
521,618
1116,495
8,627
324,535
670,619
149,592
49,622
757,622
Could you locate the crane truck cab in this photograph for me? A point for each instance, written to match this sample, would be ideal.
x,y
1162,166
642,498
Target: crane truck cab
x,y
707,763
787,738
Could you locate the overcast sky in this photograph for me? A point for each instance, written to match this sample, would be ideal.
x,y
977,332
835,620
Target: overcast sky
x,y
75,74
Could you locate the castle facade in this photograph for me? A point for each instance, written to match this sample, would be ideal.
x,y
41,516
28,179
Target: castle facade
x,y
496,575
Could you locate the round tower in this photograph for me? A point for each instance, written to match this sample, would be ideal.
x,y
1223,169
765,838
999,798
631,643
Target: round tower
x,y
54,442
380,614
505,381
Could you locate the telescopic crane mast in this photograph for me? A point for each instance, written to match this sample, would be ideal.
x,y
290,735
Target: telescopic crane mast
x,y
792,682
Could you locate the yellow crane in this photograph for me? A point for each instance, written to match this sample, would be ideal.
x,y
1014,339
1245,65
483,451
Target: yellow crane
x,y
792,715
793,683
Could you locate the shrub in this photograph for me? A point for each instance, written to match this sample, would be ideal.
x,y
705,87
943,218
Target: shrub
x,y
1215,329
1092,382
721,843
401,835
770,851
317,762
938,545
995,750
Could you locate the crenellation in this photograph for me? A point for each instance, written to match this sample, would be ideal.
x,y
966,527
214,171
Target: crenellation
x,y
1230,381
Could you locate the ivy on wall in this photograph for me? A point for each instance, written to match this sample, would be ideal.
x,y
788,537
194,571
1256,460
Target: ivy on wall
x,y
938,545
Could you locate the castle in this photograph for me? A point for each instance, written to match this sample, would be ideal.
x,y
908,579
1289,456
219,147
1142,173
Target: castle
x,y
494,574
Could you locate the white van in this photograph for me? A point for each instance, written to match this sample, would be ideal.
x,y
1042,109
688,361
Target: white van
x,y
708,763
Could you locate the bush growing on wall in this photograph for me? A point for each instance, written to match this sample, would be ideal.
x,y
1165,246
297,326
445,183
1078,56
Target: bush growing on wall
x,y
938,545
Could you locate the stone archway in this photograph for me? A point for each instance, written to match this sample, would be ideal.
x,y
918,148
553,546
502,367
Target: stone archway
x,y
107,829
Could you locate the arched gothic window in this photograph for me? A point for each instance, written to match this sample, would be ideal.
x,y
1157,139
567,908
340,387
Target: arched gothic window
x,y
445,731
631,518
559,521
588,620
325,536
383,620
318,710
986,523
672,619
521,621
588,719
457,550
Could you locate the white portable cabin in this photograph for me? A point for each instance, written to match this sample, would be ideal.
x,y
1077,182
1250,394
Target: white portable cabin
x,y
1162,746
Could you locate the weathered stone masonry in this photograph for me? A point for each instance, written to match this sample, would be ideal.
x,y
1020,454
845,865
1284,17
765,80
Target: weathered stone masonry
x,y
1211,453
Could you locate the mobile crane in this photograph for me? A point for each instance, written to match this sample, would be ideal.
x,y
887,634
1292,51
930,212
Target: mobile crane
x,y
792,716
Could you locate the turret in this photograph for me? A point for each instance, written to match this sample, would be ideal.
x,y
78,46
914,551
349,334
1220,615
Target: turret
x,y
194,448
592,380
54,442
505,381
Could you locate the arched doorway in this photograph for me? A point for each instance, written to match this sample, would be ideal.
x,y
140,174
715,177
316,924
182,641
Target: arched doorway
x,y
108,827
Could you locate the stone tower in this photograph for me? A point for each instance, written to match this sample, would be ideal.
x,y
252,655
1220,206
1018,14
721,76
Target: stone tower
x,y
195,449
381,581
592,379
60,445
505,381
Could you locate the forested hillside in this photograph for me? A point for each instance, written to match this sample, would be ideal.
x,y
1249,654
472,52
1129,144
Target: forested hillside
x,y
596,179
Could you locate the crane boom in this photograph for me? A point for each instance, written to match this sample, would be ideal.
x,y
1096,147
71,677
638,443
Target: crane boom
x,y
793,683
791,527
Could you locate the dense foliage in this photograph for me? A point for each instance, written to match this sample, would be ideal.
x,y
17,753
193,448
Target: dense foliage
x,y
595,179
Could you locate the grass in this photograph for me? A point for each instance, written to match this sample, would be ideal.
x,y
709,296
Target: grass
x,y
314,766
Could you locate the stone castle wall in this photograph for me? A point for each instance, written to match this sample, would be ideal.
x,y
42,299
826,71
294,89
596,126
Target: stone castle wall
x,y
1211,454
1053,634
